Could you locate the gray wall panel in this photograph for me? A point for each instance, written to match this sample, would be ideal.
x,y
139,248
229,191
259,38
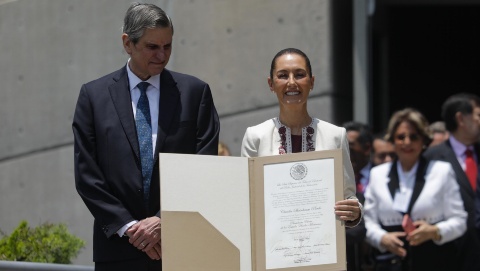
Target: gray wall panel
x,y
49,48
233,43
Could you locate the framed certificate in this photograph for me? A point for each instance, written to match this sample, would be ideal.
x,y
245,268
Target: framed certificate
x,y
252,214
294,225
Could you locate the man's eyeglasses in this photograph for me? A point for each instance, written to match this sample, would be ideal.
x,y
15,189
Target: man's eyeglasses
x,y
413,137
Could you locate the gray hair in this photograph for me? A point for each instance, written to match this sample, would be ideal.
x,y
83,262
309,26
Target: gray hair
x,y
437,127
141,16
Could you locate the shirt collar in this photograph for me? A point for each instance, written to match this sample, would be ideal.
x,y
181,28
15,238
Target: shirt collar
x,y
365,171
134,80
458,147
409,174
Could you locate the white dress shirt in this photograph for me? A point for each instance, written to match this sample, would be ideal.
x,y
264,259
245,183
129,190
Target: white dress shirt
x,y
153,94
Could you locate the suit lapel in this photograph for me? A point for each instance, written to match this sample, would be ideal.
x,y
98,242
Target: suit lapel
x,y
169,96
419,182
393,184
462,179
477,151
120,93
476,147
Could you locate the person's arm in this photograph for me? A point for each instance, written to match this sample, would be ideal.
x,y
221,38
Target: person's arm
x,y
456,216
355,222
122,231
89,179
146,235
374,230
350,211
208,125
454,223
349,180
249,148
376,236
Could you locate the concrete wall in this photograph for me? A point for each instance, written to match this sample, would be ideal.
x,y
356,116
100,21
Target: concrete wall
x,y
50,48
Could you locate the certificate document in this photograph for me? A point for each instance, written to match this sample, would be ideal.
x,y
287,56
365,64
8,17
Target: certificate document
x,y
299,216
292,199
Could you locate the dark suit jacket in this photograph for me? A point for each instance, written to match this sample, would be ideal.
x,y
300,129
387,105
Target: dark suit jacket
x,y
469,244
108,173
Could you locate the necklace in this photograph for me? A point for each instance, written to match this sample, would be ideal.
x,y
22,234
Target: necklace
x,y
286,138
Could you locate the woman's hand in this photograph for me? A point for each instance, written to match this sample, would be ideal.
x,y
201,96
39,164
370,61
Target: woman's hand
x,y
422,233
348,209
391,241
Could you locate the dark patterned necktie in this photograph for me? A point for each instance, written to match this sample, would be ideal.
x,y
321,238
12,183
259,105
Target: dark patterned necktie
x,y
144,133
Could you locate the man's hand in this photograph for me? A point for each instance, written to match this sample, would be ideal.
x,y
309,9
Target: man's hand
x,y
156,252
146,234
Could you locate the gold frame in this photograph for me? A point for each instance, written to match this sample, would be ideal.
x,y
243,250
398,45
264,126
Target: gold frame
x,y
257,213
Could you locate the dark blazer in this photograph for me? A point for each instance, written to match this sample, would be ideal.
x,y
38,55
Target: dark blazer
x,y
108,174
469,244
358,251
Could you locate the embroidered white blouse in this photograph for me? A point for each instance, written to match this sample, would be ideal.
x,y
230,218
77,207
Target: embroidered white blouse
x,y
264,140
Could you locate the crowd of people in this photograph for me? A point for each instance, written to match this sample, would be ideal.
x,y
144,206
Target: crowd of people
x,y
408,203
422,175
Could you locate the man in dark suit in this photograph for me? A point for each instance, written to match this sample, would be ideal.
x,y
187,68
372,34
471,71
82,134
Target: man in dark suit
x,y
461,113
360,140
122,121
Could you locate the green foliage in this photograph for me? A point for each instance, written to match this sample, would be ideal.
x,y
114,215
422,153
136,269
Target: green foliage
x,y
47,243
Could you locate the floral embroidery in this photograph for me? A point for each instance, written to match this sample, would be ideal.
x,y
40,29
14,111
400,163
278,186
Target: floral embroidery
x,y
286,138
283,139
309,140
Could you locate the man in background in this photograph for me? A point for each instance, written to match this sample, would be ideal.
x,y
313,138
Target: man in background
x,y
382,150
121,123
461,113
359,139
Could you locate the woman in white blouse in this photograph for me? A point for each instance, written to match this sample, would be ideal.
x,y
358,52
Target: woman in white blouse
x,y
294,130
425,191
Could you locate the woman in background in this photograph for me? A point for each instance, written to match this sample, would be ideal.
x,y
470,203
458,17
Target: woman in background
x,y
413,188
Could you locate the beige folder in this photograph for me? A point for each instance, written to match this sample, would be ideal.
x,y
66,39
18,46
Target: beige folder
x,y
205,213
213,214
192,243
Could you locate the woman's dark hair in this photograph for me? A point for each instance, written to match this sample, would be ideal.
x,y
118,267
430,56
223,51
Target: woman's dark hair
x,y
290,51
